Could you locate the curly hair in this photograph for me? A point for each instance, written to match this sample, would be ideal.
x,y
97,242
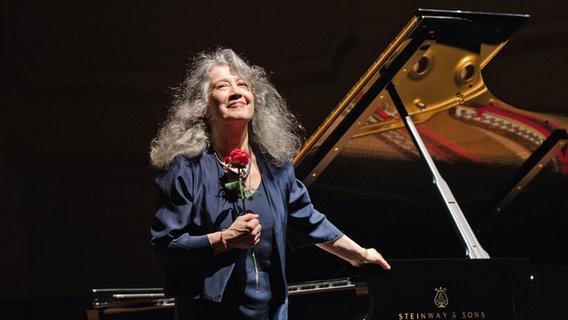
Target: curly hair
x,y
273,128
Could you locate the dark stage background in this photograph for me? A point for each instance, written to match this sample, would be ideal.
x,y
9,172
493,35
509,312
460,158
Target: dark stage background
x,y
85,84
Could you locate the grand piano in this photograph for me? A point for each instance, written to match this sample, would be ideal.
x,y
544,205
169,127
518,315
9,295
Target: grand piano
x,y
420,160
420,114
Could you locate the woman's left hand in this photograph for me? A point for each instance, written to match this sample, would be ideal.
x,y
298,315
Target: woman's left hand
x,y
350,251
373,256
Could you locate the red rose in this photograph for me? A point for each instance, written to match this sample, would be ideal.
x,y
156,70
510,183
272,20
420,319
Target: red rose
x,y
238,158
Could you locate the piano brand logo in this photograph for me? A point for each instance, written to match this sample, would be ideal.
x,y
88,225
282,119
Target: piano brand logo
x,y
441,299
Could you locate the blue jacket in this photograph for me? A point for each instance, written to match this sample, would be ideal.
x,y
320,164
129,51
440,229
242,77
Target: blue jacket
x,y
193,205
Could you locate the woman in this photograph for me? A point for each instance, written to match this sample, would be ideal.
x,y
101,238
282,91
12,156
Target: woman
x,y
220,259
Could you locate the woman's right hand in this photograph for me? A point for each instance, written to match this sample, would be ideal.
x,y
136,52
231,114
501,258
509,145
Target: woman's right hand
x,y
244,233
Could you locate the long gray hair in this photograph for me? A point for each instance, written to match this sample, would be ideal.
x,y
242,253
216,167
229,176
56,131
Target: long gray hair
x,y
273,128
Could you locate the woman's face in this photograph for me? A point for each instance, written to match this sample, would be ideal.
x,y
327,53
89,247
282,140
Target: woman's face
x,y
230,96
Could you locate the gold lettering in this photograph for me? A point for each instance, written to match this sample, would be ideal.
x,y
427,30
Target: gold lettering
x,y
467,314
473,315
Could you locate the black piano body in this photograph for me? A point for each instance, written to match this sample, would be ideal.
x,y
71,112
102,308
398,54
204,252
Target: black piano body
x,y
497,288
378,166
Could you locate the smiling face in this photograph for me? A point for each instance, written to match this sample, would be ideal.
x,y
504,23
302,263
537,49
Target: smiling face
x,y
230,97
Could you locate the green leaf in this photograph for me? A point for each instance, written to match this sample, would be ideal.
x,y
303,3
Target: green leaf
x,y
233,185
248,194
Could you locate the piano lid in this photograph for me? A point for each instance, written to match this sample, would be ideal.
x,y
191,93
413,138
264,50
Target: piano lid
x,y
434,66
435,62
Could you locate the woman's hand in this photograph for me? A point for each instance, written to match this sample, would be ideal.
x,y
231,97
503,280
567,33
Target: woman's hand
x,y
373,256
350,251
244,233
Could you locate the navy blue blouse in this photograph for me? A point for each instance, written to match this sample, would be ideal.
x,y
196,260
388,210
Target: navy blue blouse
x,y
194,204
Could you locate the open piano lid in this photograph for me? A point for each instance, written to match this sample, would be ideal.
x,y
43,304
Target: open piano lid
x,y
363,154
